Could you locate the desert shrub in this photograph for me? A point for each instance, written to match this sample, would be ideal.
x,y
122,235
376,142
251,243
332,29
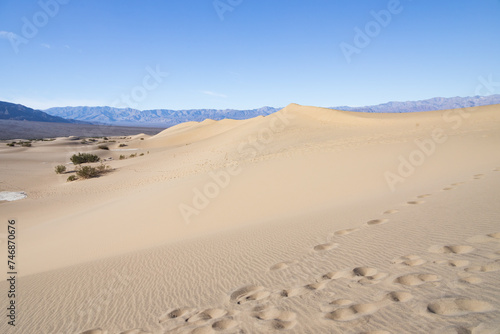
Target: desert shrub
x,y
87,172
133,155
142,138
71,178
83,158
141,154
26,144
60,169
122,145
105,138
103,147
11,144
122,157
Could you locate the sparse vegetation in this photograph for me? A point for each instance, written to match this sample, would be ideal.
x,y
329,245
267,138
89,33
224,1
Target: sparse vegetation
x,y
60,169
122,145
141,154
87,172
11,144
142,138
122,157
133,155
26,144
71,178
103,147
83,158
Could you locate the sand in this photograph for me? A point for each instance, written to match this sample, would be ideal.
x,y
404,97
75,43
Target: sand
x,y
309,220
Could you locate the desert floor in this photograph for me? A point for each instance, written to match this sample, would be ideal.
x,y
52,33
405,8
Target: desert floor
x,y
309,220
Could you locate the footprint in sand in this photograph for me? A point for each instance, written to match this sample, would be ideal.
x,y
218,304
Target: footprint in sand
x,y
495,237
249,293
224,324
399,296
368,275
410,260
341,302
417,279
177,313
345,232
415,202
497,169
281,265
471,280
424,196
273,318
325,246
389,212
454,263
478,176
453,307
376,222
334,275
449,188
316,286
207,315
489,267
452,249
353,312
94,331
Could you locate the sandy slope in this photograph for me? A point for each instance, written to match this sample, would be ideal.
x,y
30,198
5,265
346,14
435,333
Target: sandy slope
x,y
306,221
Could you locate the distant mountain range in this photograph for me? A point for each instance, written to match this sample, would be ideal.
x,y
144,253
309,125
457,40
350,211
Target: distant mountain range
x,y
437,103
165,117
19,112
159,117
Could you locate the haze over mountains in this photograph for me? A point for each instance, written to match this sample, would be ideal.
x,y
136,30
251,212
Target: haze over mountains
x,y
166,117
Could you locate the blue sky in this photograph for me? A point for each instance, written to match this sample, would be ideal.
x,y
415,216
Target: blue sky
x,y
244,54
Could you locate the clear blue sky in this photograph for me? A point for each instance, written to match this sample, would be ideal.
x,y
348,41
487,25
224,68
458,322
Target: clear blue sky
x,y
263,52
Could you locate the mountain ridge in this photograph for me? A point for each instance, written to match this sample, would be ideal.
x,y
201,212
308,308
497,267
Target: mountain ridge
x,y
168,117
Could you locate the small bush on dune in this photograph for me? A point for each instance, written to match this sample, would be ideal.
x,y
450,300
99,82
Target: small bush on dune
x,y
122,157
71,178
103,147
26,144
11,144
60,169
87,172
83,158
122,145
133,155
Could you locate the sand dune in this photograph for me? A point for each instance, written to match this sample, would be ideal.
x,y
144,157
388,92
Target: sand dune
x,y
309,220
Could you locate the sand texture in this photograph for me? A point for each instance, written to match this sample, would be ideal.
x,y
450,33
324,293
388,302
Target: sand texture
x,y
309,220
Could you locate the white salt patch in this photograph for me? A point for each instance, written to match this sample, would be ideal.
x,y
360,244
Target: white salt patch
x,y
12,195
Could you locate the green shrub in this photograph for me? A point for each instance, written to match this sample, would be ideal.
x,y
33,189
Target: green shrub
x,y
122,145
87,172
122,157
26,144
60,169
11,144
141,154
103,147
71,178
83,158
142,138
106,138
133,155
